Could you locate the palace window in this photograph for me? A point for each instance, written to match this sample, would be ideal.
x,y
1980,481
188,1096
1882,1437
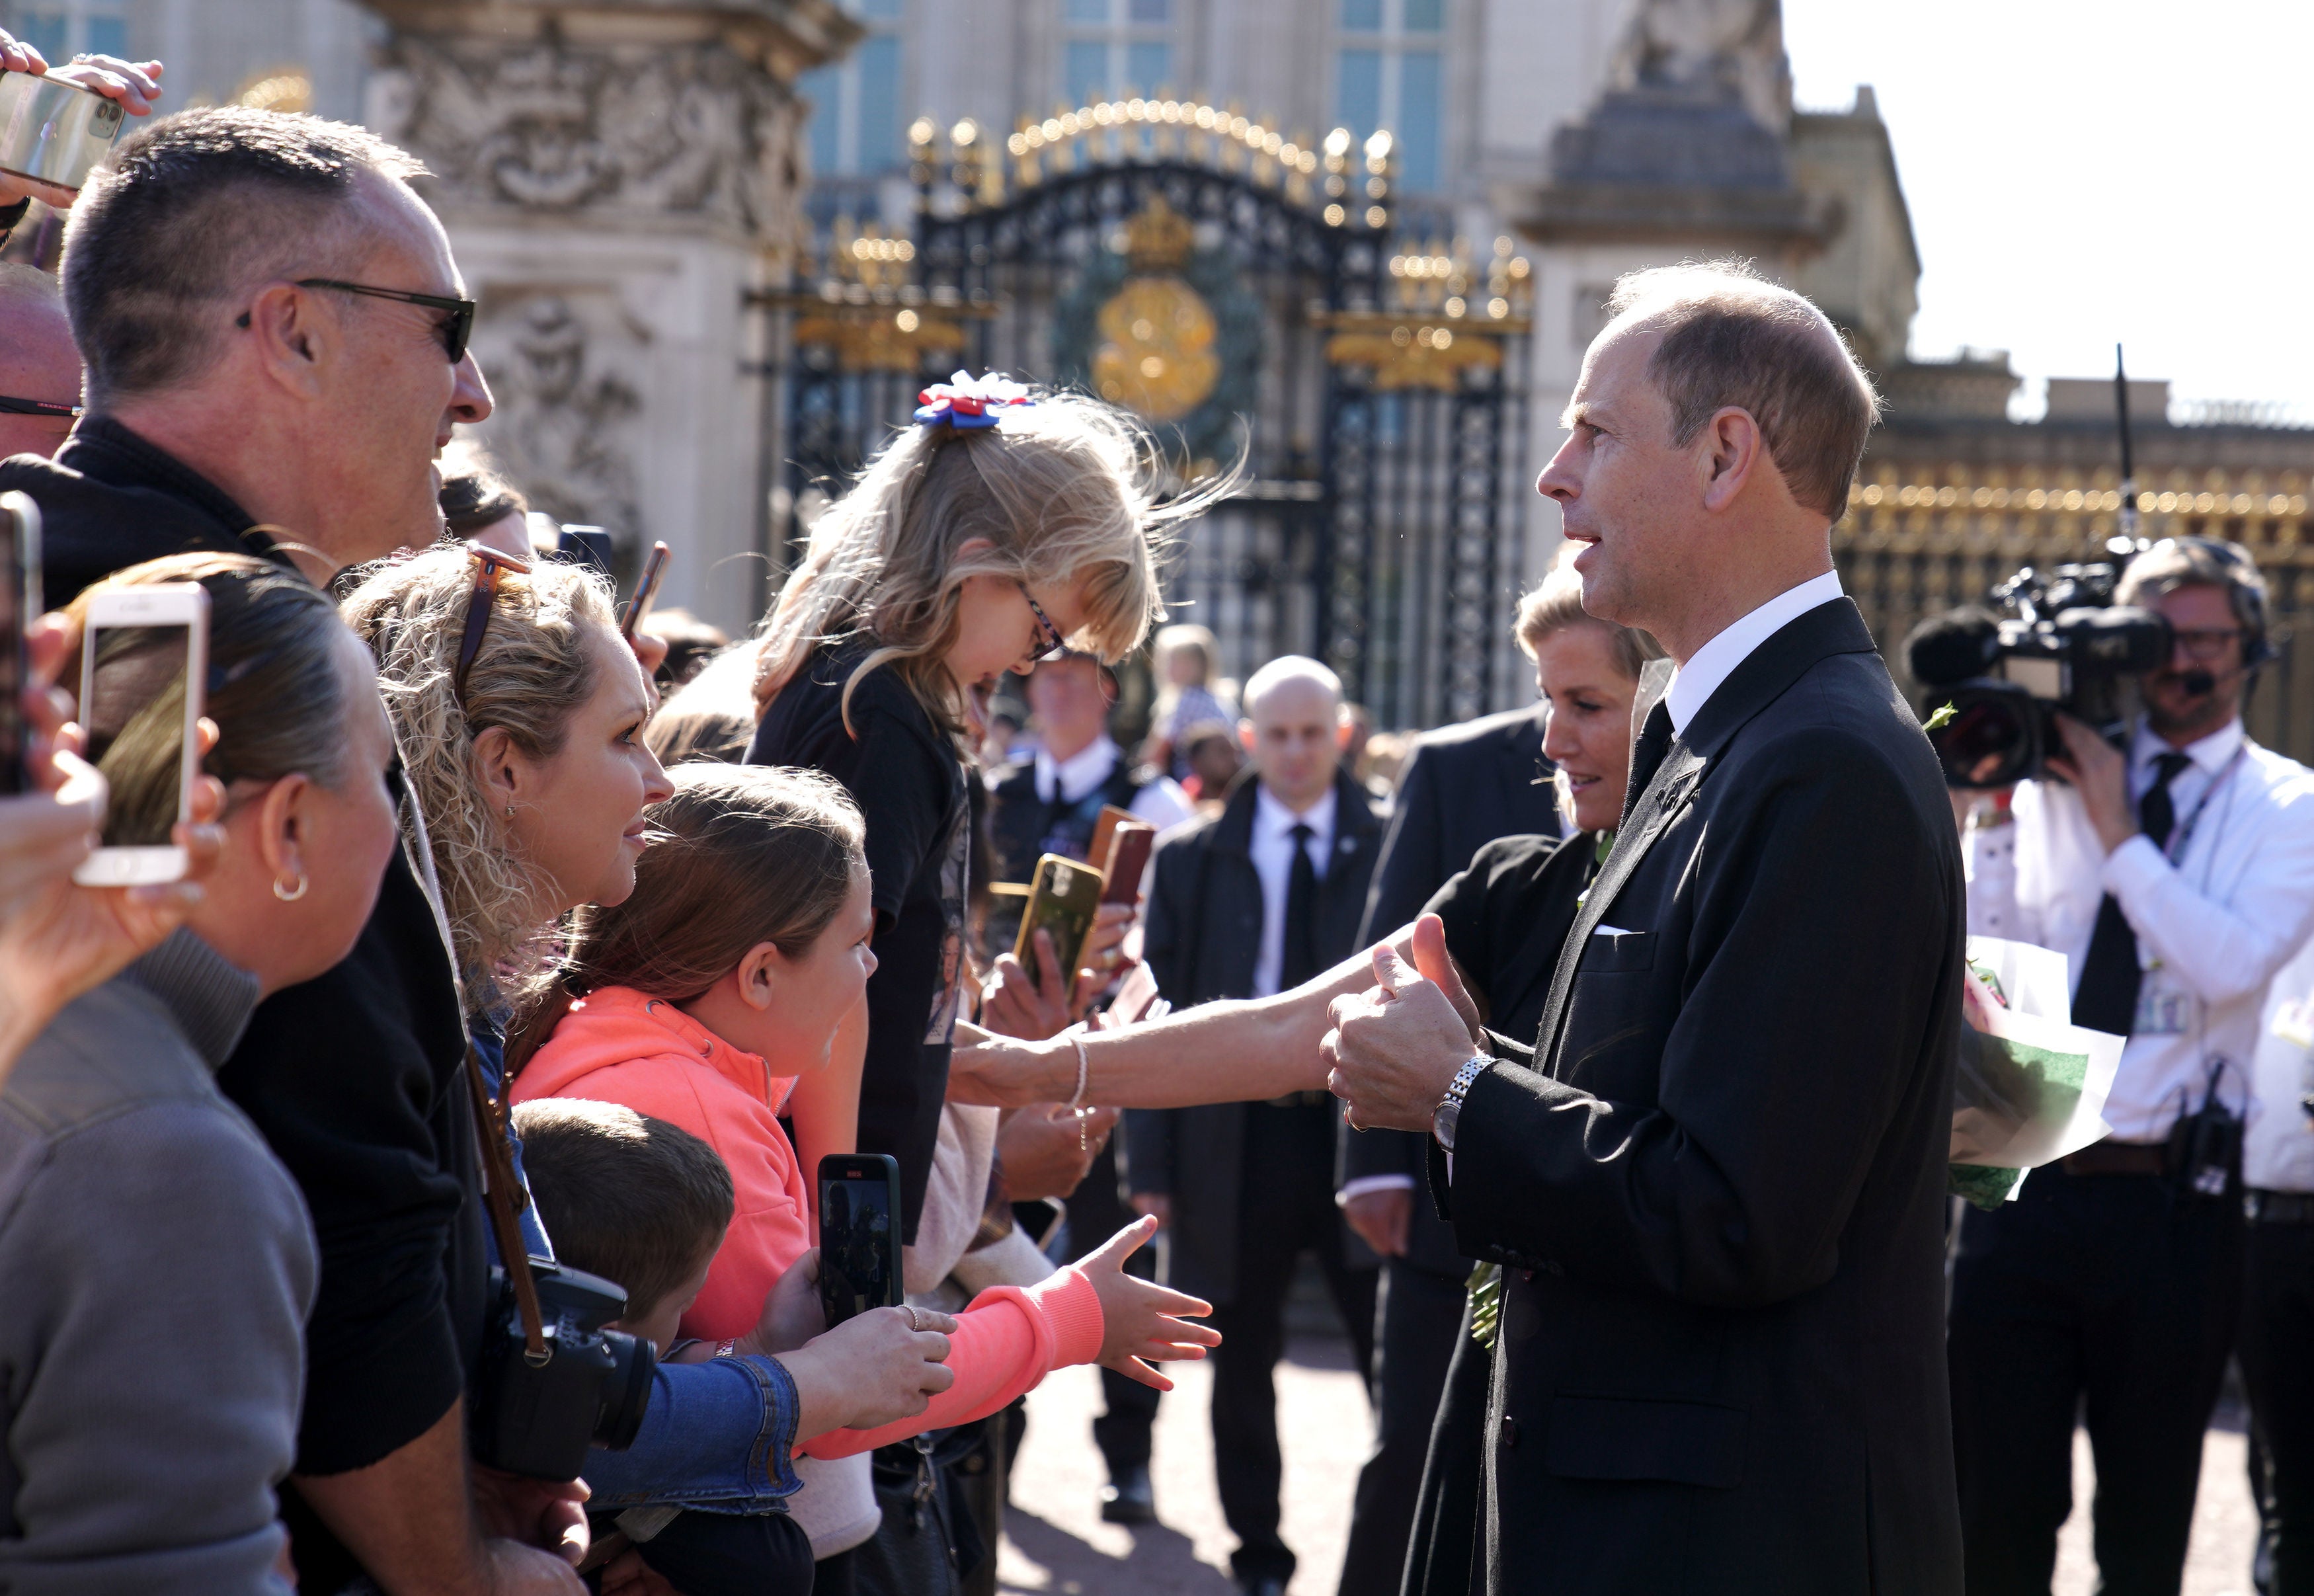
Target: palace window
x,y
1388,74
1115,49
858,124
62,29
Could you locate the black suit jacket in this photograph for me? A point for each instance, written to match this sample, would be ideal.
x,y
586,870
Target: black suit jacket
x,y
1463,786
1203,936
1718,1184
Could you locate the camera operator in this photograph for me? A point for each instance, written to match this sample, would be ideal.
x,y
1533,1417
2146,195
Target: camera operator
x,y
2176,874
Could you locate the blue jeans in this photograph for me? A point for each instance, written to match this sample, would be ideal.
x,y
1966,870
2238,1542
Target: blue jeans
x,y
717,1435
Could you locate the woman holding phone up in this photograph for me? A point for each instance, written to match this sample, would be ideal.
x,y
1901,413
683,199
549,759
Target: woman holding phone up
x,y
149,1442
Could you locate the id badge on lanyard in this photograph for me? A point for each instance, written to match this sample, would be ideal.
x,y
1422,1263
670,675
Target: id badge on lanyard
x,y
2163,1009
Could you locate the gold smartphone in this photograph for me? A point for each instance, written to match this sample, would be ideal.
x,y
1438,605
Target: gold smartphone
x,y
1063,898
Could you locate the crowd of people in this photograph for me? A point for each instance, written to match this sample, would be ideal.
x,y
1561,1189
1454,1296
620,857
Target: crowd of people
x,y
421,1195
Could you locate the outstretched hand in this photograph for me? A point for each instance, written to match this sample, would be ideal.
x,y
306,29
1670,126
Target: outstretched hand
x,y
1394,1049
1141,1322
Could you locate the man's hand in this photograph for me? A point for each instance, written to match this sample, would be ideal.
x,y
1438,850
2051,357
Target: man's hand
x,y
134,84
1381,1218
627,1575
1044,1151
547,1513
2099,772
1393,1051
873,1370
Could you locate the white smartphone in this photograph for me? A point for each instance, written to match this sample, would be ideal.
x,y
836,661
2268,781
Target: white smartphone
x,y
144,661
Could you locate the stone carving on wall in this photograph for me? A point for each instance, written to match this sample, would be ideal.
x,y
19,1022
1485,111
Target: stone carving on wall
x,y
552,127
1733,48
564,426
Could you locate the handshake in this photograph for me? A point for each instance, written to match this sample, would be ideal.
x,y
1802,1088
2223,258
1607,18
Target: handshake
x,y
1396,1047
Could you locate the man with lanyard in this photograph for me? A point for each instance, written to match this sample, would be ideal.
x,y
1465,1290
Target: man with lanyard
x,y
2175,876
1050,804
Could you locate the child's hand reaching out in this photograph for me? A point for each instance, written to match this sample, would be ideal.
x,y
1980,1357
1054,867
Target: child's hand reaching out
x,y
1142,1321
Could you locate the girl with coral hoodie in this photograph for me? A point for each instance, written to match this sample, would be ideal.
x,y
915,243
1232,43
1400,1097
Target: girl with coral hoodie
x,y
699,1000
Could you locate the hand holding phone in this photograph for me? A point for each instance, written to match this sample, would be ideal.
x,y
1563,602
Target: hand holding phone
x,y
859,1234
1063,899
646,590
144,664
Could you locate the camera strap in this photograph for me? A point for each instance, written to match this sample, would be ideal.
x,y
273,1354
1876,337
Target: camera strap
x,y
497,1196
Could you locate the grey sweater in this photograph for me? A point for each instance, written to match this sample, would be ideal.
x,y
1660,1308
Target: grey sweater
x,y
156,1267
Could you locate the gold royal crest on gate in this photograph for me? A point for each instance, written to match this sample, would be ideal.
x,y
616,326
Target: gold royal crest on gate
x,y
1156,352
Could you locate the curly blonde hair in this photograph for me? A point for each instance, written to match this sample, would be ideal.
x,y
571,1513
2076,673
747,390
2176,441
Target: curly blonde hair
x,y
534,671
1068,489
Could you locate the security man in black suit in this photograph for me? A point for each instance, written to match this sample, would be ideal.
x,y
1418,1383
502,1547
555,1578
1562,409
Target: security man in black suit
x,y
1463,786
1716,1181
1254,900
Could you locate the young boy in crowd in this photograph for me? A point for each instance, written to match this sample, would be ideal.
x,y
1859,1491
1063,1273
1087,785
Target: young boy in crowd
x,y
645,1203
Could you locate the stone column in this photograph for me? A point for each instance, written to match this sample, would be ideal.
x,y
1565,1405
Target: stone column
x,y
616,179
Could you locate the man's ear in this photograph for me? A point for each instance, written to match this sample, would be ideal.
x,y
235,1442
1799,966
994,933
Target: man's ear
x,y
296,336
1733,451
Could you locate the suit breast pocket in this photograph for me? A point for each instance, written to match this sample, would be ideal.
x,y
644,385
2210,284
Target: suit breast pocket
x,y
1611,953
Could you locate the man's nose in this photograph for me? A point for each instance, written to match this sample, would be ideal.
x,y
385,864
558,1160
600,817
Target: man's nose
x,y
470,398
1560,479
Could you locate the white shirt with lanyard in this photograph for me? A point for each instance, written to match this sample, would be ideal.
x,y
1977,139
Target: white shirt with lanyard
x,y
2216,914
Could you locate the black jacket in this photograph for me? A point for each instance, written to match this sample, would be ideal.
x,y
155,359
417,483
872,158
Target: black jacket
x,y
110,500
1203,936
352,1077
1463,786
1717,1183
1505,917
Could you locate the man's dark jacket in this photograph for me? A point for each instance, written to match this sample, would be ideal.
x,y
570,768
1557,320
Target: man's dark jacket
x,y
1717,1185
352,1077
1203,936
1464,786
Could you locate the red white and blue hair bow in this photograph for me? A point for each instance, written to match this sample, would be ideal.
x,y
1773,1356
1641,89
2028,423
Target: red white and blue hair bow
x,y
966,401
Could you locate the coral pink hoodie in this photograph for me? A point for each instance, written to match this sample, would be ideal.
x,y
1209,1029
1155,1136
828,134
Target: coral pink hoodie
x,y
617,1045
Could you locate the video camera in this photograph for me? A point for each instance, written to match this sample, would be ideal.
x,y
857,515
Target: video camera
x,y
2067,648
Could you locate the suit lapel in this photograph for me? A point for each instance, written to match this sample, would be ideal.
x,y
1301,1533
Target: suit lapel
x,y
1762,678
1665,795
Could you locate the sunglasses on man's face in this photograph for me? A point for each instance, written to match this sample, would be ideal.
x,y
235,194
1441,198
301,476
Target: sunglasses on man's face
x,y
457,323
39,407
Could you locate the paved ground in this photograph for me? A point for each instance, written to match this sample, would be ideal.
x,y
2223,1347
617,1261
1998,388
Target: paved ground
x,y
1056,1544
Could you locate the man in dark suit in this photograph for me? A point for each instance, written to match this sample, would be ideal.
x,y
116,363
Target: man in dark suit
x,y
1463,786
1716,1182
1251,902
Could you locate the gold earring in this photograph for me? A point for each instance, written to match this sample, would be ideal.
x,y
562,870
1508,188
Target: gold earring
x,y
291,897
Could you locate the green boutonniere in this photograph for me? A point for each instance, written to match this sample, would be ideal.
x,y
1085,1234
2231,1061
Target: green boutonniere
x,y
1939,720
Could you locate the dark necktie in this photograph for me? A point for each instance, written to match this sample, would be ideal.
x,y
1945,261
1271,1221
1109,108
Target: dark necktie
x,y
1301,948
1647,756
2106,996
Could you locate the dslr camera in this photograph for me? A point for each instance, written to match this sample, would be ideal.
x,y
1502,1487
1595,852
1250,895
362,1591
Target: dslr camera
x,y
2062,648
538,1419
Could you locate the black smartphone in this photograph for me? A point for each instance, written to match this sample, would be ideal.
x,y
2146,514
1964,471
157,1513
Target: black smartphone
x,y
859,1234
20,606
1040,1218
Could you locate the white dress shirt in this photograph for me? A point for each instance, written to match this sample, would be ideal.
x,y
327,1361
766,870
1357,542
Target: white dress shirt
x,y
1272,851
2215,917
1161,803
2278,1148
1696,681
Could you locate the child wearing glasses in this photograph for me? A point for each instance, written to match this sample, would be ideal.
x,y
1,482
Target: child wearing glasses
x,y
1000,526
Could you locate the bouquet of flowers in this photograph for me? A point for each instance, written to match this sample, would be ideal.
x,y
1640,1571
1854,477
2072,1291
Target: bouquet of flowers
x,y
2031,1086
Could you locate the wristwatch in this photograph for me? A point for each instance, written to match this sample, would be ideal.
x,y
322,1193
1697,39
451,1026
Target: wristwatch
x,y
1450,1107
